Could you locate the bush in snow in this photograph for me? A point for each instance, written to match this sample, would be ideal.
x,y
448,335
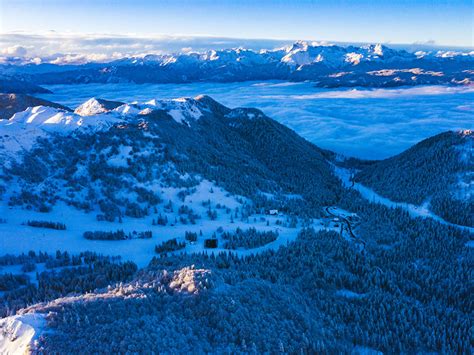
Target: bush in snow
x,y
191,236
169,246
46,224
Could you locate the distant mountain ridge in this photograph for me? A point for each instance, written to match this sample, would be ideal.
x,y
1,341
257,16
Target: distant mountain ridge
x,y
11,85
326,65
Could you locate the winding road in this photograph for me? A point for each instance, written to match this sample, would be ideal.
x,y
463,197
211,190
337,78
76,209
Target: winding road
x,y
348,223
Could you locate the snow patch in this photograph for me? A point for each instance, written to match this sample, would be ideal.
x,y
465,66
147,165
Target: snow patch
x,y
183,110
54,120
120,160
18,333
127,109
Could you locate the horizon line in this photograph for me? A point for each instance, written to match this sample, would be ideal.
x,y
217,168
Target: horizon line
x,y
177,36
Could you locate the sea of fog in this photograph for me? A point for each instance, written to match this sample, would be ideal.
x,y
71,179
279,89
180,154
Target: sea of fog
x,y
366,123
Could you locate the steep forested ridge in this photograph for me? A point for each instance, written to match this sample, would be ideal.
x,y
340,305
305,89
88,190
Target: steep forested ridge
x,y
437,170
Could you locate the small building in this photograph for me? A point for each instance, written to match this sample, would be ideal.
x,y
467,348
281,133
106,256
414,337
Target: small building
x,y
211,243
273,212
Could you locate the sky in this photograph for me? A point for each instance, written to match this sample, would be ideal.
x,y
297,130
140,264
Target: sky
x,y
78,24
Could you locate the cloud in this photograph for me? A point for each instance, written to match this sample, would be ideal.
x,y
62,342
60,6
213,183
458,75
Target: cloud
x,y
14,51
384,93
83,58
103,46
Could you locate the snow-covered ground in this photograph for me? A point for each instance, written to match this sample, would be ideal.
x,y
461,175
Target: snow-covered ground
x,y
15,237
18,333
367,123
415,211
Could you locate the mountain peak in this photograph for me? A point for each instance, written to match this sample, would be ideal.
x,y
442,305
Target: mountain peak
x,y
466,133
212,104
52,119
298,45
377,49
96,106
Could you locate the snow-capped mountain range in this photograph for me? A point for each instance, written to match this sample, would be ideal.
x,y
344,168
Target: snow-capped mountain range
x,y
299,53
326,64
95,114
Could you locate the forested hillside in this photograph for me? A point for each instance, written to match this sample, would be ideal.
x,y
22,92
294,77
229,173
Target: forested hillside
x,y
319,294
438,170
242,150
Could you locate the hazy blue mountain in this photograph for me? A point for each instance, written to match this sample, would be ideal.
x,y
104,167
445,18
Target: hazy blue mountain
x,y
19,86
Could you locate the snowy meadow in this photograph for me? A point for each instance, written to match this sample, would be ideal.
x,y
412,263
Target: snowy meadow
x,y
365,123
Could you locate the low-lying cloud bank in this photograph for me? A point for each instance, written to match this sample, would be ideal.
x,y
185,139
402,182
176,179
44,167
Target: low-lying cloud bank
x,y
384,93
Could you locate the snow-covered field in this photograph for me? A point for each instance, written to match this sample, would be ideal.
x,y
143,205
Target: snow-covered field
x,y
17,238
366,123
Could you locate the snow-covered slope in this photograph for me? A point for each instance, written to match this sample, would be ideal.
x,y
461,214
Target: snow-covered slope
x,y
140,143
168,166
13,103
18,333
192,171
51,119
23,128
183,110
21,131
